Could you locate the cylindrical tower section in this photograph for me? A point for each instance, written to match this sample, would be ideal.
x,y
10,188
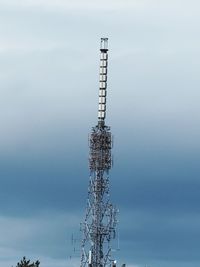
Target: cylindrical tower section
x,y
100,143
103,80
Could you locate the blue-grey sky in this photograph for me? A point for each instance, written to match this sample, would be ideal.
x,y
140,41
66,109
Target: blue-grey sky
x,y
49,57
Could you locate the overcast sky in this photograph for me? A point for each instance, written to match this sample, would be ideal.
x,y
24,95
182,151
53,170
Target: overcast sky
x,y
49,58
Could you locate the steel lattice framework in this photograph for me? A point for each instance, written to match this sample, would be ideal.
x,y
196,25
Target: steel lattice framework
x,y
100,221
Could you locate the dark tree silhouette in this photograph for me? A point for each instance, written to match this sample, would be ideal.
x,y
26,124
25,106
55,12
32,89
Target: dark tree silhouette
x,y
26,263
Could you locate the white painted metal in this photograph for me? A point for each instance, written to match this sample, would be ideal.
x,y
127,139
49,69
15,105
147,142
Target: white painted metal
x,y
103,78
90,257
102,92
103,70
102,107
102,100
104,56
102,85
103,63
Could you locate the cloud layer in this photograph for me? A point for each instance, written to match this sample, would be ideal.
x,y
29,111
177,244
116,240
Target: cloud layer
x,y
48,102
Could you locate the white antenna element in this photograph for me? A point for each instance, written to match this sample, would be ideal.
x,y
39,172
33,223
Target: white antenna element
x,y
90,257
103,79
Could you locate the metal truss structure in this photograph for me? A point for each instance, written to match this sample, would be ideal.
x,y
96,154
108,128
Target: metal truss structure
x,y
100,221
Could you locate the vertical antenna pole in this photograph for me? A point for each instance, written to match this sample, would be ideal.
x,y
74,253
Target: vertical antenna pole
x,y
103,80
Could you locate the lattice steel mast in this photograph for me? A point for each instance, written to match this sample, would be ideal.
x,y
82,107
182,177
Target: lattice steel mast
x,y
100,220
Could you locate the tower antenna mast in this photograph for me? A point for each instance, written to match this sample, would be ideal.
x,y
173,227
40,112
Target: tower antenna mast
x,y
100,220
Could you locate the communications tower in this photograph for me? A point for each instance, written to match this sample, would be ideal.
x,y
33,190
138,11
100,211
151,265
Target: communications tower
x,y
100,220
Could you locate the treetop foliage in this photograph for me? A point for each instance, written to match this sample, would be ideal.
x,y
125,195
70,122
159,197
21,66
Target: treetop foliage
x,y
26,263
